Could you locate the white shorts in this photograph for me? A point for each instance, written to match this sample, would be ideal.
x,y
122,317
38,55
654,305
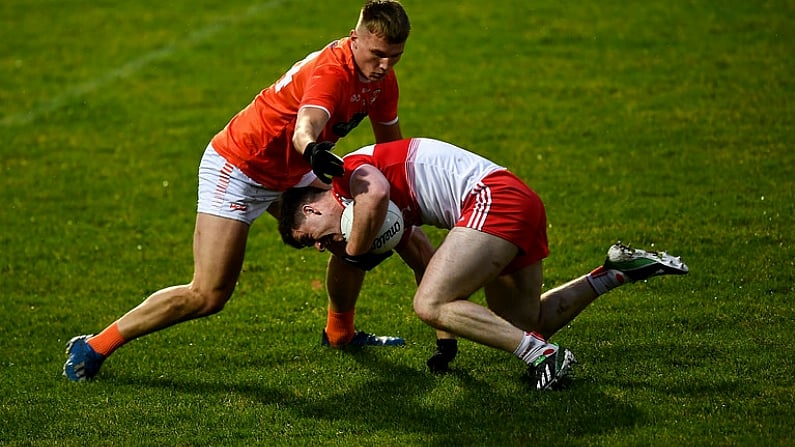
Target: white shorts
x,y
225,191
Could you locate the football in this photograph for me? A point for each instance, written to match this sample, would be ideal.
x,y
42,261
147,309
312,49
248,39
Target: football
x,y
389,234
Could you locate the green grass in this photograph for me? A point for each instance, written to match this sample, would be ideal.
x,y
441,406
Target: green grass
x,y
665,124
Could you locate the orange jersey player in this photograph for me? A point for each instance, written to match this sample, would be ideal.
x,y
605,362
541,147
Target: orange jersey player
x,y
282,139
258,140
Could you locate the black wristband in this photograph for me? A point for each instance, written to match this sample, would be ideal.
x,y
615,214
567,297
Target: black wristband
x,y
309,152
367,261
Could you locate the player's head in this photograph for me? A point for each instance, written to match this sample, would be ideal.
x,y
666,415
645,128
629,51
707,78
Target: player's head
x,y
379,37
310,217
386,19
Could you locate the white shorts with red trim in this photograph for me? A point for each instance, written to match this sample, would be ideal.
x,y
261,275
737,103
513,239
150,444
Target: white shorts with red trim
x,y
225,191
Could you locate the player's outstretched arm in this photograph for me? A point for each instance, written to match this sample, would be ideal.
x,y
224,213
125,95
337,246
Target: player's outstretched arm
x,y
309,124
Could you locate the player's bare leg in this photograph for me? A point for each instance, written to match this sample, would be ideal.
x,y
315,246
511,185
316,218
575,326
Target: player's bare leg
x,y
455,272
515,297
344,282
562,304
417,254
219,248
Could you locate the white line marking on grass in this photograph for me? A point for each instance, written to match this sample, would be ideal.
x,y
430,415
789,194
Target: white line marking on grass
x,y
133,66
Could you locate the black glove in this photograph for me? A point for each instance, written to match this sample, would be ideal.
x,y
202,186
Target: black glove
x,y
367,261
323,162
446,350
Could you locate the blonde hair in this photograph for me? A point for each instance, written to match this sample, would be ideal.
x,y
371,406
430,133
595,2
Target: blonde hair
x,y
385,18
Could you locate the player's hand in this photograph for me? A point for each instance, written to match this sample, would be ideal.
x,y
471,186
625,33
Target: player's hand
x,y
324,163
367,261
446,350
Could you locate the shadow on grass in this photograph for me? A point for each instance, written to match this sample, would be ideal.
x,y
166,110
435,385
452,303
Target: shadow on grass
x,y
197,386
400,400
467,409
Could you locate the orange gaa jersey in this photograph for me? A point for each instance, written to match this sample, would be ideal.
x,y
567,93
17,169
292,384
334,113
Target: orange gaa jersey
x,y
258,140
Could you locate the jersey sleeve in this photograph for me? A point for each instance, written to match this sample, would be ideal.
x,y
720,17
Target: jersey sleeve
x,y
342,185
324,88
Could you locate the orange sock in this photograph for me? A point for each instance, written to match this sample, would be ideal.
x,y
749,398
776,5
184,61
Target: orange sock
x,y
339,327
107,341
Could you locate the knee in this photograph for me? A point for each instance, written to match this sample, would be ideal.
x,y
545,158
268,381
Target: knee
x,y
427,311
201,303
213,302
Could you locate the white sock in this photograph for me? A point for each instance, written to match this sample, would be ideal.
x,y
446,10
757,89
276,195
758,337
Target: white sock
x,y
530,341
603,280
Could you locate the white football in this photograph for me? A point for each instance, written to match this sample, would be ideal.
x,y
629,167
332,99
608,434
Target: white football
x,y
388,236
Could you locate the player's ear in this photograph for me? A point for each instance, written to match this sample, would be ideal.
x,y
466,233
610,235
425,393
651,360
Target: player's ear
x,y
354,39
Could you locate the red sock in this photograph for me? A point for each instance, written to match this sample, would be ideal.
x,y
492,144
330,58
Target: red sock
x,y
107,341
339,327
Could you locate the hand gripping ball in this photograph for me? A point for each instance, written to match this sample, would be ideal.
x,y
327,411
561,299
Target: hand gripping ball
x,y
389,234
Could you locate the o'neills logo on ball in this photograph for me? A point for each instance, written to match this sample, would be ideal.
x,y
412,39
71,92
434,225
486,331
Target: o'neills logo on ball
x,y
386,236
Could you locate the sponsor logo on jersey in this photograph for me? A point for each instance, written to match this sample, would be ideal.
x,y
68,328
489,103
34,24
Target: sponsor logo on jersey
x,y
374,95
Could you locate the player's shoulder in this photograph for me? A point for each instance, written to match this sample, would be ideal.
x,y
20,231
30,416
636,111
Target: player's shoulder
x,y
364,150
336,58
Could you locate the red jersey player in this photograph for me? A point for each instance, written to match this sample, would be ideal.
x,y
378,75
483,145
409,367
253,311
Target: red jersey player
x,y
497,241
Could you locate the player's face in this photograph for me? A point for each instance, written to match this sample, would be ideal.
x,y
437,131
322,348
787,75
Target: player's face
x,y
321,231
374,57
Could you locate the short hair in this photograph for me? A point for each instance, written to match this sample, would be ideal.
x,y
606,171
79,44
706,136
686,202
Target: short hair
x,y
290,214
387,19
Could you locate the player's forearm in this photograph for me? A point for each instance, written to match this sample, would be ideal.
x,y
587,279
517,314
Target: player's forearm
x,y
308,126
302,137
370,191
369,213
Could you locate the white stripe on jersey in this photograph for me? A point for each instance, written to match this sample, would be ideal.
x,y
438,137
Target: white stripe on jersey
x,y
439,177
442,176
